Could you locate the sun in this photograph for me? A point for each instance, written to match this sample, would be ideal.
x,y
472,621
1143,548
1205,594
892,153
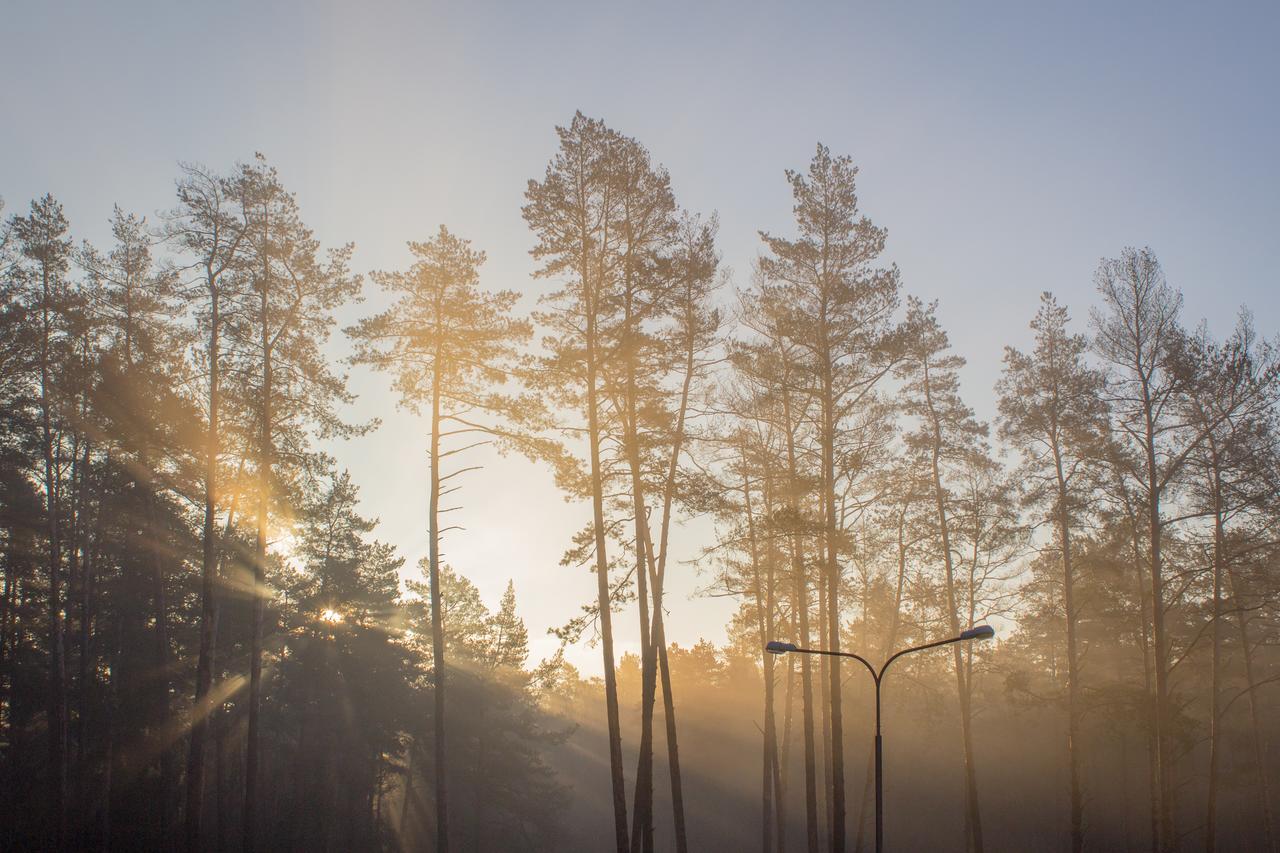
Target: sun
x,y
332,616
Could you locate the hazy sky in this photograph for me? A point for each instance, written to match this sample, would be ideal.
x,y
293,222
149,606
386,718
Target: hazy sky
x,y
1006,148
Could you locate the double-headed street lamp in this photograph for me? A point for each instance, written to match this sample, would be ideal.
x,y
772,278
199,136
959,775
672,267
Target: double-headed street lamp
x,y
981,632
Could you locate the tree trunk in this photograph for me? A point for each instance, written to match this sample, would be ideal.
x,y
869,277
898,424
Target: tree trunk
x,y
407,801
973,814
1259,747
74,581
1160,661
259,584
802,609
891,638
1215,678
658,575
833,610
784,759
824,687
641,816
766,776
673,744
806,671
642,812
1160,643
1144,636
1074,705
161,650
202,708
770,717
604,597
437,617
57,724
109,761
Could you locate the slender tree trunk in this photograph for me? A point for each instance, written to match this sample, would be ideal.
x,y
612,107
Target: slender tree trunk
x,y
74,581
766,785
1160,660
88,639
437,616
604,596
109,757
973,812
824,686
57,662
1074,705
221,722
770,716
783,784
1215,678
1160,643
7,597
1124,788
407,801
219,719
1259,747
642,810
201,708
833,608
161,650
658,574
1153,761
801,593
1144,636
79,596
641,816
668,699
806,671
886,649
673,744
259,583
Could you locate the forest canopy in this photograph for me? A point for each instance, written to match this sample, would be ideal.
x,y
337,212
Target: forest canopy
x,y
205,645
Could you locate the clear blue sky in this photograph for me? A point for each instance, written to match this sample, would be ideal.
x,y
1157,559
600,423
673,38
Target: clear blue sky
x,y
1007,147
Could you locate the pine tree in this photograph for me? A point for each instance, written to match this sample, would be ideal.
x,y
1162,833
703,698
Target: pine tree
x,y
843,308
504,796
949,438
1138,336
204,228
1051,411
1233,393
139,404
447,343
289,291
510,638
345,690
577,216
43,288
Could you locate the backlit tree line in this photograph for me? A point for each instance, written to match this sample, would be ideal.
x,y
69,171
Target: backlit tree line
x,y
204,646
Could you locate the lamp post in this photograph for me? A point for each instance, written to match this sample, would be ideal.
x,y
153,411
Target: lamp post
x,y
981,632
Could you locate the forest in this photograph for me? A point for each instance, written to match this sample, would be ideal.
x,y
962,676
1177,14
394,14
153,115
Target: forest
x,y
205,646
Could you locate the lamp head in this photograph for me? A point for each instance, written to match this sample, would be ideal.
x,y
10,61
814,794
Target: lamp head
x,y
981,632
775,647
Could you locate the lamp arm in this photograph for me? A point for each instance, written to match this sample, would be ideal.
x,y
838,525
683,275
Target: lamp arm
x,y
859,658
897,655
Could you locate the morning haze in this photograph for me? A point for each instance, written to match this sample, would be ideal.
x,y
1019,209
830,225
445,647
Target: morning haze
x,y
681,330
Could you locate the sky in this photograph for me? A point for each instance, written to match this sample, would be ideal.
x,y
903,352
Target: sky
x,y
1006,147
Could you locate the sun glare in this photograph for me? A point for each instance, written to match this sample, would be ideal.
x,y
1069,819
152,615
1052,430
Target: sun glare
x,y
331,616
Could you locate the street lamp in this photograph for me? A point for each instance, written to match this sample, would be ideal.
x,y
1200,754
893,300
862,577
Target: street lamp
x,y
979,632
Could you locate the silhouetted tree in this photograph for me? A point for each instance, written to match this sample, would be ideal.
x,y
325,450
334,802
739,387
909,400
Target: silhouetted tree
x,y
289,291
447,343
1051,411
843,306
